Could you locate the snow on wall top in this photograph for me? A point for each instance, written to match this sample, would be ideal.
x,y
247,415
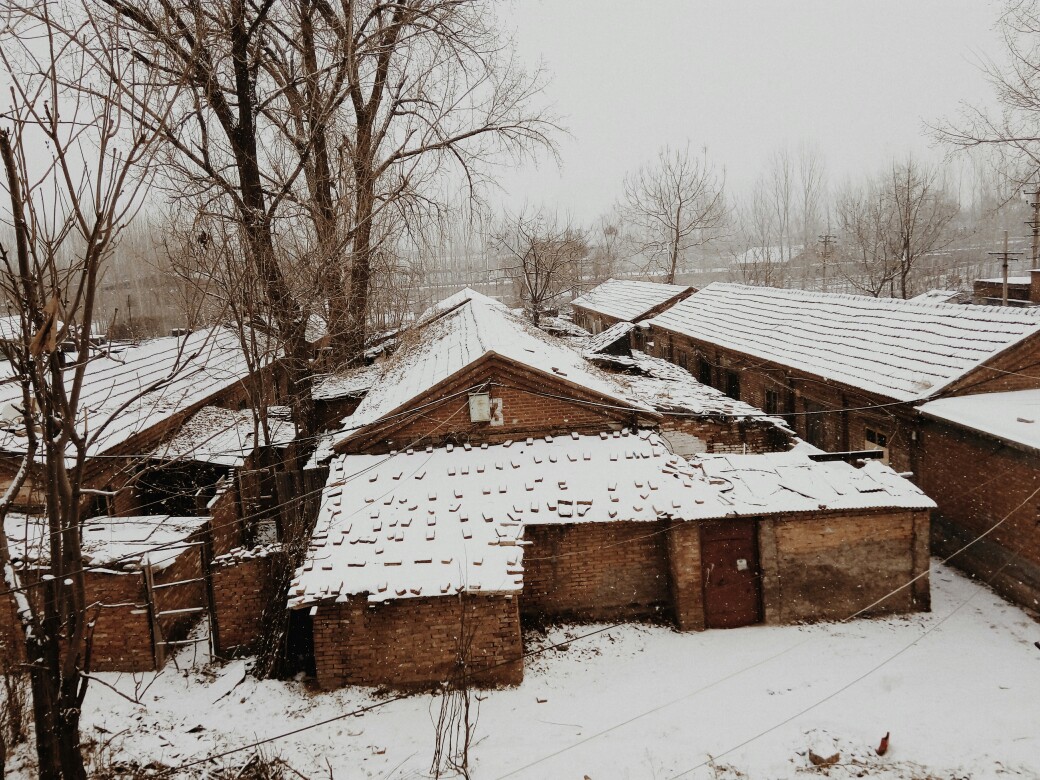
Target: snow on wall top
x,y
436,521
1013,416
118,543
457,332
224,437
625,299
899,349
117,389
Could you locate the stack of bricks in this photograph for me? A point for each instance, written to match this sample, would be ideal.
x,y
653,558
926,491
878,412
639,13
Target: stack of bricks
x,y
415,642
243,587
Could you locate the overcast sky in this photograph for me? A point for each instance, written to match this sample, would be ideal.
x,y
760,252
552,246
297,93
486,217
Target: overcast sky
x,y
859,78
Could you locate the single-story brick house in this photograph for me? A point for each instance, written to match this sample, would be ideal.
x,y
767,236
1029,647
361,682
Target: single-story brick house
x,y
980,460
605,527
625,300
854,372
132,400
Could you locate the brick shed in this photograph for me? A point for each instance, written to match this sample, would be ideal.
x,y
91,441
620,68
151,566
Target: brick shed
x,y
981,462
145,584
611,526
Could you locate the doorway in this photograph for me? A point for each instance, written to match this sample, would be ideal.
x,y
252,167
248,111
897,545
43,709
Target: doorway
x,y
730,574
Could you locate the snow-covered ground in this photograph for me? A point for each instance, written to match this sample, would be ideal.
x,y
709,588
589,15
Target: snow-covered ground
x,y
958,688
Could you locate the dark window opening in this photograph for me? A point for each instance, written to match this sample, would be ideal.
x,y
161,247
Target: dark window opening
x,y
704,371
733,385
814,424
771,403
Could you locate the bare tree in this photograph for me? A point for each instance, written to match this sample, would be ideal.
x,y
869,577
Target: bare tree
x,y
72,161
891,223
543,256
865,220
1013,132
673,205
923,210
759,254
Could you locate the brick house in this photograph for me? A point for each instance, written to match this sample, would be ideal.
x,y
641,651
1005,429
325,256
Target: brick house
x,y
602,527
847,370
625,300
141,396
501,477
853,373
980,460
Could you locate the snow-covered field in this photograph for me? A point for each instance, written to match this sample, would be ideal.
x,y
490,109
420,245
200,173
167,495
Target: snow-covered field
x,y
959,690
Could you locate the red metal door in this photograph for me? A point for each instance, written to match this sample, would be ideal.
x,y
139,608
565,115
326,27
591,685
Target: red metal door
x,y
729,568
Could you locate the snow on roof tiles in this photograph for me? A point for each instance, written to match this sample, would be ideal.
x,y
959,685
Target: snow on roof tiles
x,y
224,437
670,388
898,349
184,370
625,299
350,383
457,332
1013,416
124,543
435,521
607,338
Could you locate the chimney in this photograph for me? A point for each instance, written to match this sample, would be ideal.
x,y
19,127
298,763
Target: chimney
x,y
1034,286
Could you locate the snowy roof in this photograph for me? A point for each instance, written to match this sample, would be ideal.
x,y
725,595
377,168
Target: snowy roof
x,y
457,332
124,543
144,385
351,383
670,388
790,482
1022,280
608,337
939,296
898,349
1013,416
224,437
629,300
435,521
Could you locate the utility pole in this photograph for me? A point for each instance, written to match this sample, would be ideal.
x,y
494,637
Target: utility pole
x,y
1005,256
1034,223
827,240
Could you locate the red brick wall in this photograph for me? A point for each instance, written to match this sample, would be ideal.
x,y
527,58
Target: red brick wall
x,y
731,436
12,646
225,524
684,565
408,643
977,482
242,589
838,430
595,571
122,639
527,411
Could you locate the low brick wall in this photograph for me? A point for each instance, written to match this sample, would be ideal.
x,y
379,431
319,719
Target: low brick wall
x,y
595,571
225,524
122,638
731,436
413,643
243,584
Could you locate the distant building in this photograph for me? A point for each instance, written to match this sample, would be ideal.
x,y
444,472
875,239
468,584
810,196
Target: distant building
x,y
624,300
